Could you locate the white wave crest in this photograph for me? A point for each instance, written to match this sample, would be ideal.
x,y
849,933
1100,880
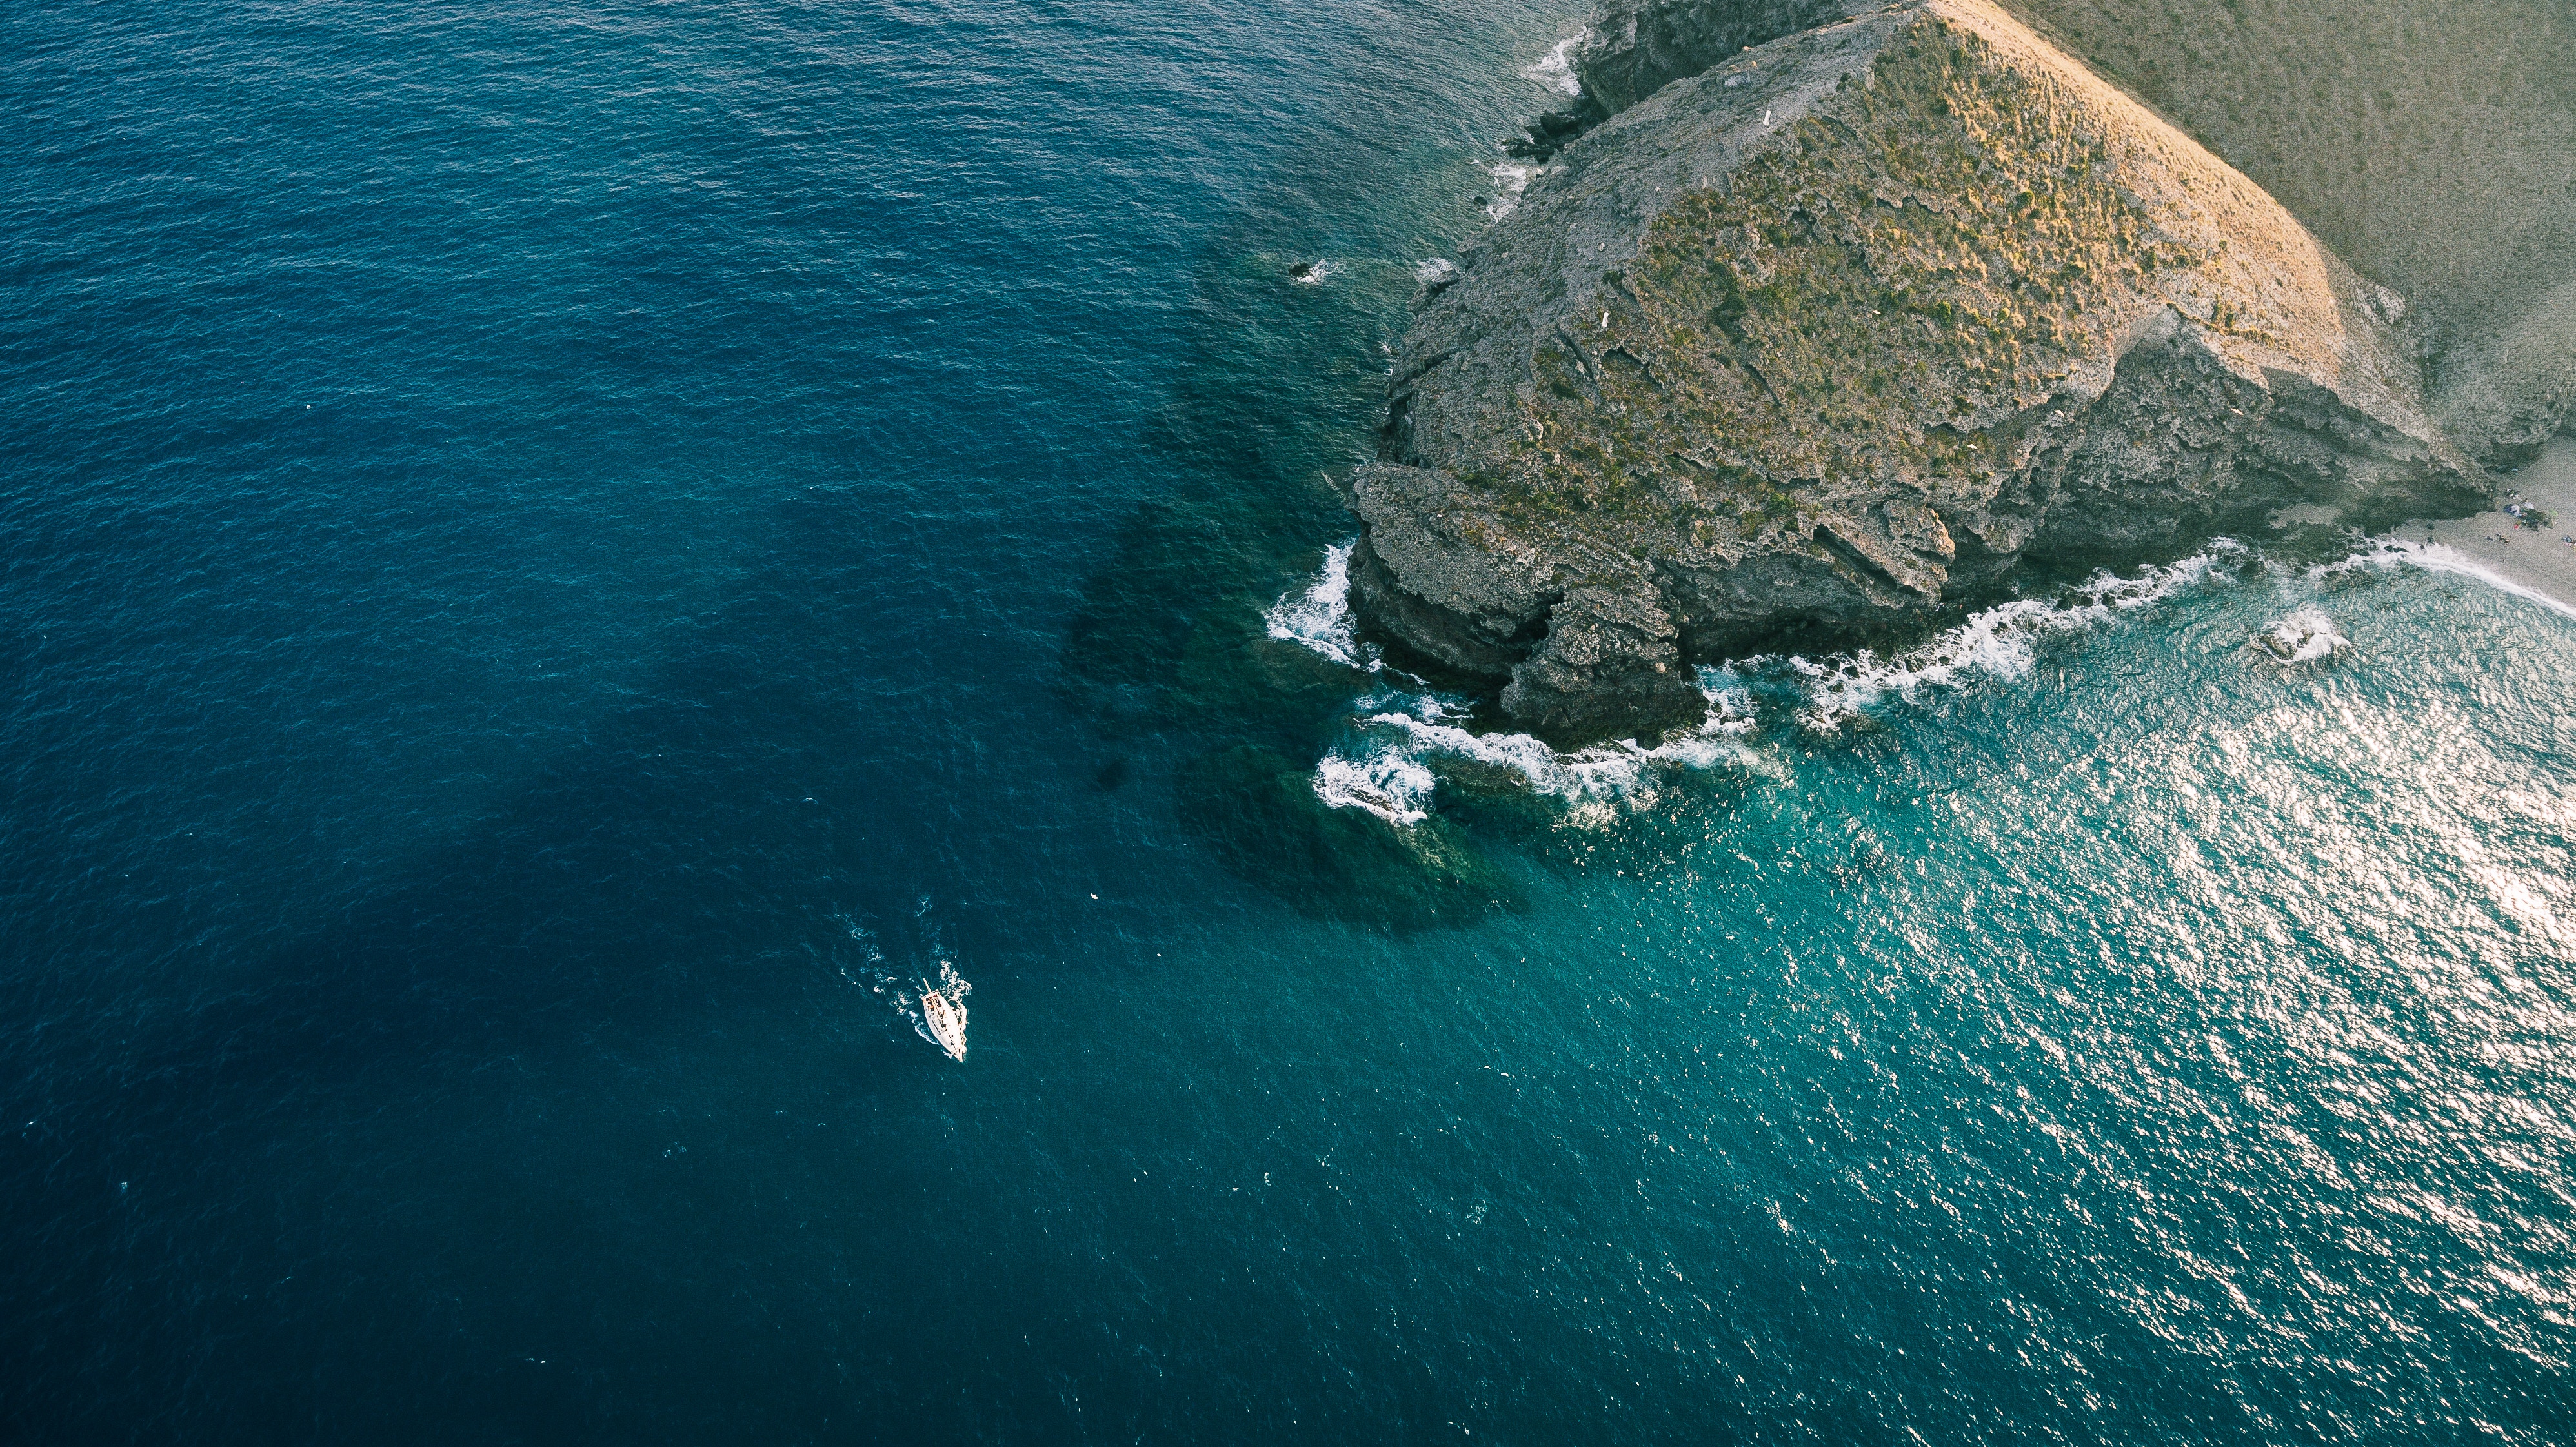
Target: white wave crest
x,y
1387,768
1513,180
2000,643
1388,783
1320,618
1437,269
2437,558
1388,773
1556,68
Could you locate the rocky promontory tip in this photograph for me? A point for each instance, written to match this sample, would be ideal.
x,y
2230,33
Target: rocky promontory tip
x,y
1846,328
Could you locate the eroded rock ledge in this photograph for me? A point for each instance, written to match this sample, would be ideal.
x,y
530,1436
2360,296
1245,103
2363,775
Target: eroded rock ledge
x,y
1843,329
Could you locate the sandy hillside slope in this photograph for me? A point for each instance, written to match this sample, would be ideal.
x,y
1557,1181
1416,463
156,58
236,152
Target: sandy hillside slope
x,y
2430,143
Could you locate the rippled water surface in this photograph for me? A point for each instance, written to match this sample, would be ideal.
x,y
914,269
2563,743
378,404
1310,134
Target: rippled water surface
x,y
562,559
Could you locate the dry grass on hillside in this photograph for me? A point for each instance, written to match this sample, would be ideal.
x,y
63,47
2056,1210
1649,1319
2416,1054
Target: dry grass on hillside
x,y
2431,142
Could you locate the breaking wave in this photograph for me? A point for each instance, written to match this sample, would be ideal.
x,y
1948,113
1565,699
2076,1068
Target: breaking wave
x,y
2437,558
1385,763
1320,617
1623,774
1385,782
1556,69
2001,643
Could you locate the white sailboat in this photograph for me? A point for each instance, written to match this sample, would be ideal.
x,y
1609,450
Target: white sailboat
x,y
943,1014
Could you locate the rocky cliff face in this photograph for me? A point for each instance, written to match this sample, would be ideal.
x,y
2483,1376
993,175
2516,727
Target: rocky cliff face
x,y
1846,327
1633,48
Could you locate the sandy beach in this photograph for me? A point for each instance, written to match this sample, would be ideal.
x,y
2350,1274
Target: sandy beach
x,y
2540,561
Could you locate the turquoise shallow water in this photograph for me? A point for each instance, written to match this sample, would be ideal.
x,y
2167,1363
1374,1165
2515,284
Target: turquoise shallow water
x,y
564,557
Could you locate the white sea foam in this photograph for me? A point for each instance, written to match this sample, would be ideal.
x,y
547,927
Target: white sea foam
x,y
2305,636
1387,770
1315,273
2001,643
2438,558
1512,180
1386,767
1438,268
1392,785
1320,617
1556,68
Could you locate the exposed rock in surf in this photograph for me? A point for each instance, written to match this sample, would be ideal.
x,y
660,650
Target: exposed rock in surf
x,y
1549,134
2303,637
1850,326
1263,815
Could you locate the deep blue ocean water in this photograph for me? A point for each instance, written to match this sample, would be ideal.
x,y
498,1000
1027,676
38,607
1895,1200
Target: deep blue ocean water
x,y
560,558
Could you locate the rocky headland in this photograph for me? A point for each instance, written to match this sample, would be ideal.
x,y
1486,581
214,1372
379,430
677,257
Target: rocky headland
x,y
1831,321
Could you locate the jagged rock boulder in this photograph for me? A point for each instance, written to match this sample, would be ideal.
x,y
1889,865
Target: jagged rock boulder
x,y
1846,328
1633,48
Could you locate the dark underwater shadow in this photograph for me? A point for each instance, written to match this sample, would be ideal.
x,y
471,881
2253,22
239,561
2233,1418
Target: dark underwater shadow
x,y
352,1201
195,1218
1280,388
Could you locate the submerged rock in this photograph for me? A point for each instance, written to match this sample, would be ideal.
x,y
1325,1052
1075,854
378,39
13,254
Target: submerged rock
x,y
1261,812
1841,330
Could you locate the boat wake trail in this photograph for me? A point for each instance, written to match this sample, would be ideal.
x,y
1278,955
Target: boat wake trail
x,y
926,993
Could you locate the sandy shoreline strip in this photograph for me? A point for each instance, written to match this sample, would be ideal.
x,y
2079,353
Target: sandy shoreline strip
x,y
2539,564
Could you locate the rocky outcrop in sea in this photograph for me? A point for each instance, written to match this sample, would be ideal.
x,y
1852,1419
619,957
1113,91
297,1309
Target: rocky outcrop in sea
x,y
1855,324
